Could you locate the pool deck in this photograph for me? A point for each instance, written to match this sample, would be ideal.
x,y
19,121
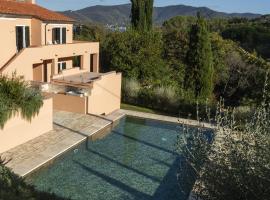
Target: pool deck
x,y
70,129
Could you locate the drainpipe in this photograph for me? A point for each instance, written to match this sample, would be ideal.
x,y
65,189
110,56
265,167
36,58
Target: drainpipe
x,y
46,33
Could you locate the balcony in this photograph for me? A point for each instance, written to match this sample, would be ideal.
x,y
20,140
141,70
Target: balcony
x,y
23,62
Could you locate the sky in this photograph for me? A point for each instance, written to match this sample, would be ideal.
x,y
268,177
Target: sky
x,y
254,6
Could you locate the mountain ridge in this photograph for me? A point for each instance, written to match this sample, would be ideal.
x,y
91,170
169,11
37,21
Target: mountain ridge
x,y
120,14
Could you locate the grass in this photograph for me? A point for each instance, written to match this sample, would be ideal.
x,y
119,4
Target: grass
x,y
138,108
145,110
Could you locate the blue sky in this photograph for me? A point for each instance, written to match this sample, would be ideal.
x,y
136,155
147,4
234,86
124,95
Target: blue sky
x,y
255,6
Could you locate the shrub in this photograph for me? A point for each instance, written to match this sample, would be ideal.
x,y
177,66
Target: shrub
x,y
16,96
236,165
130,90
166,97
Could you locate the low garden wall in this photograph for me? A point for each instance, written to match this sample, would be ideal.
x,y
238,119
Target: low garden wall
x,y
18,131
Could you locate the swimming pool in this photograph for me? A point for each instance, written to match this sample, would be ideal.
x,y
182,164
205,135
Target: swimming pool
x,y
136,160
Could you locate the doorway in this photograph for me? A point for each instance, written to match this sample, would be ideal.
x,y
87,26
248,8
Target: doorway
x,y
93,63
22,37
59,35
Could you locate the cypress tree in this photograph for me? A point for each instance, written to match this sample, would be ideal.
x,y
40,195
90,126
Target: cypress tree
x,y
199,71
149,7
142,14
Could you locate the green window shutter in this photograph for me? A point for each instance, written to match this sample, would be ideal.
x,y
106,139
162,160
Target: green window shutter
x,y
27,36
64,35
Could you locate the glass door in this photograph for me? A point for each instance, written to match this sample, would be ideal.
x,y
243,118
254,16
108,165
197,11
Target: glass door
x,y
61,66
22,37
59,35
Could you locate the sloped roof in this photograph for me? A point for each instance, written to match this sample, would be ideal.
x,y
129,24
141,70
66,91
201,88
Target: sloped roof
x,y
33,10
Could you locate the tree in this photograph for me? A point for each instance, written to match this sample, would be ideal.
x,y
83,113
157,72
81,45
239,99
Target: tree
x,y
199,71
138,56
176,40
142,14
16,96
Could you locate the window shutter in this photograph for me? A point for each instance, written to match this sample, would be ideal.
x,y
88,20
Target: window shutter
x,y
64,35
27,36
53,35
17,37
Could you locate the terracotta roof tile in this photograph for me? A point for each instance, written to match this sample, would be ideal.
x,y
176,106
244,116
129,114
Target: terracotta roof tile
x,y
33,10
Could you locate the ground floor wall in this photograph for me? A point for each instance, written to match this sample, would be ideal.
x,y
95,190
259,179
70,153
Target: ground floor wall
x,y
18,131
70,103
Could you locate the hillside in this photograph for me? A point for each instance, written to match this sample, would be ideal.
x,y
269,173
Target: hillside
x,y
120,14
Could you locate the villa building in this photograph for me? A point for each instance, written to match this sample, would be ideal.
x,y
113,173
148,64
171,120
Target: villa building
x,y
37,44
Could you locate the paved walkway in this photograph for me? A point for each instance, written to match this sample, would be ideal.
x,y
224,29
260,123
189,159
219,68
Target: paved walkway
x,y
70,129
166,118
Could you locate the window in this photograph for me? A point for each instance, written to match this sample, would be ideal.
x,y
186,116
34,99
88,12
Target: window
x,y
22,37
61,66
76,61
59,35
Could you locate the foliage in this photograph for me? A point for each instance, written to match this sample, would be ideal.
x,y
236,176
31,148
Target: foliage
x,y
199,72
142,14
159,58
252,35
13,187
238,156
176,45
90,32
16,96
137,56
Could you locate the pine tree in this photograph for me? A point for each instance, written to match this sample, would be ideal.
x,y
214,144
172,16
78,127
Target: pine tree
x,y
199,71
142,14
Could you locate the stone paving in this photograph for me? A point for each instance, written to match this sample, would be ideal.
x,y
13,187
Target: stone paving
x,y
167,118
71,129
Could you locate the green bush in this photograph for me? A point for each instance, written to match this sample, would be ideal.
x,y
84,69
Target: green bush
x,y
234,163
17,96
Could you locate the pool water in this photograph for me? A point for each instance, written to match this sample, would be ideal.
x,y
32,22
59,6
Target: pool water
x,y
136,160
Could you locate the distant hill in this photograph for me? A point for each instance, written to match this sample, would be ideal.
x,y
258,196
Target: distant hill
x,y
119,14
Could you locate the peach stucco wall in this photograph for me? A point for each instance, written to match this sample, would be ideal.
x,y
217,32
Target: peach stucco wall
x,y
18,131
106,94
37,34
48,32
36,39
8,37
70,103
23,64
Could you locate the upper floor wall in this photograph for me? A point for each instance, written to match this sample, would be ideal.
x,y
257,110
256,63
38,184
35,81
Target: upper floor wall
x,y
18,33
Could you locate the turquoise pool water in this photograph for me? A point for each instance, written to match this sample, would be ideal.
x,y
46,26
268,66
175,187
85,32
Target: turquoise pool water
x,y
135,161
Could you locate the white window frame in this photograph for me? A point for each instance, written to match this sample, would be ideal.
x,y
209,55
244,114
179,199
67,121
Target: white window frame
x,y
24,38
61,32
61,66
